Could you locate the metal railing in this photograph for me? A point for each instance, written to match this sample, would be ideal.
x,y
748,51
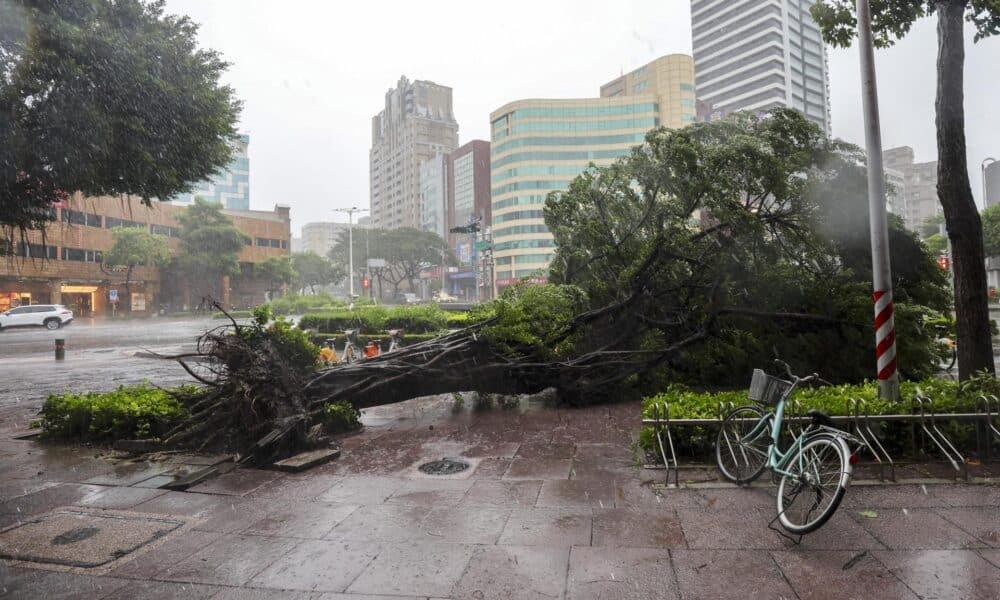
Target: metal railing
x,y
924,420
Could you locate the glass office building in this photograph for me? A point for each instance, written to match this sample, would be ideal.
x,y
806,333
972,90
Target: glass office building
x,y
539,146
229,187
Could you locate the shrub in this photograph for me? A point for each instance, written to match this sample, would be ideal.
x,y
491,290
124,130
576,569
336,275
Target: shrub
x,y
130,412
341,416
373,319
948,396
295,304
292,343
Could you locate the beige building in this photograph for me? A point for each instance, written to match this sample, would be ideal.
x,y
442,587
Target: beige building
x,y
416,124
669,79
64,263
920,199
540,145
321,236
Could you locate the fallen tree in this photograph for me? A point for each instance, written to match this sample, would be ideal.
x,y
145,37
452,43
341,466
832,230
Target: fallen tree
x,y
688,259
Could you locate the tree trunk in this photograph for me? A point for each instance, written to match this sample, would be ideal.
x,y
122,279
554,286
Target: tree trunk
x,y
965,230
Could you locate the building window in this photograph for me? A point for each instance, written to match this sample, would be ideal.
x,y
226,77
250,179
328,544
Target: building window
x,y
37,251
164,230
112,222
74,217
82,255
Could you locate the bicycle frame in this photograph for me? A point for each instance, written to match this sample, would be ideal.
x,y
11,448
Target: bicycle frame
x,y
777,461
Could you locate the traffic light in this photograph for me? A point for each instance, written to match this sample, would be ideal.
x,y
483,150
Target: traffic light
x,y
944,262
365,283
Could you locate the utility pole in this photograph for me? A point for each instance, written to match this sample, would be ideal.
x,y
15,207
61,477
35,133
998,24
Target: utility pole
x,y
885,328
350,246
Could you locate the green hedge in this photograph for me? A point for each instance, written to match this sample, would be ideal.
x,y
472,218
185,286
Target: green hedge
x,y
294,304
948,396
364,338
372,319
130,412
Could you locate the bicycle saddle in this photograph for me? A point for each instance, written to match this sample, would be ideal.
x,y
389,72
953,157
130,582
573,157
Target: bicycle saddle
x,y
395,332
819,417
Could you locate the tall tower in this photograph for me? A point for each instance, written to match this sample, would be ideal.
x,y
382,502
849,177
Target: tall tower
x,y
759,54
416,124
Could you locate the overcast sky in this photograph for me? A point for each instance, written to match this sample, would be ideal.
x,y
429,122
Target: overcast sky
x,y
312,73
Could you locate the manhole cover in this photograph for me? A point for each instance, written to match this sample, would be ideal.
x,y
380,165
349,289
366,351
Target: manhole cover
x,y
81,538
445,466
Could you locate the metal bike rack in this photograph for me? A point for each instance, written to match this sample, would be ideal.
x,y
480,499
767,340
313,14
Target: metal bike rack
x,y
988,428
924,417
922,403
863,429
661,426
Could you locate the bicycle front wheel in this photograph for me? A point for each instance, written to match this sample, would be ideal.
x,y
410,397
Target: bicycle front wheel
x,y
820,472
741,448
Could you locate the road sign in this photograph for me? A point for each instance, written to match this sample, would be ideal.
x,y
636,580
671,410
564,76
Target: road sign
x,y
482,245
376,263
113,296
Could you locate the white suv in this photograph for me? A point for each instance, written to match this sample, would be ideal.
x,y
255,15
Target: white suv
x,y
50,316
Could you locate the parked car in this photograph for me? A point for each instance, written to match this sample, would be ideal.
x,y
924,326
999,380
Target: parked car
x,y
408,298
50,316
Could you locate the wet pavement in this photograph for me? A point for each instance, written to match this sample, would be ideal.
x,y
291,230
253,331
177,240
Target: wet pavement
x,y
100,355
551,506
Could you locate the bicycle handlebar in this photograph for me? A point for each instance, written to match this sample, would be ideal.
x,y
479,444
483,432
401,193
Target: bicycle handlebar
x,y
806,379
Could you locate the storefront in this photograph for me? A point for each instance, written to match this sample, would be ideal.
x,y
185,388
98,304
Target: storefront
x,y
79,299
21,292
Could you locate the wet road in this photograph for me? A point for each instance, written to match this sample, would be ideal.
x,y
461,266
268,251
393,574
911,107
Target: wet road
x,y
100,355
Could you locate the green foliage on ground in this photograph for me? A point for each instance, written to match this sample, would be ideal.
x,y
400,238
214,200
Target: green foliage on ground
x,y
292,343
341,416
532,319
948,397
423,318
130,412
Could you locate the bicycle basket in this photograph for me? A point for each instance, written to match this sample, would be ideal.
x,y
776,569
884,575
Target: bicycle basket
x,y
767,390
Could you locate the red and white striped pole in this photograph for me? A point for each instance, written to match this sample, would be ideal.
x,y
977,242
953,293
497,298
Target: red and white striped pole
x,y
885,330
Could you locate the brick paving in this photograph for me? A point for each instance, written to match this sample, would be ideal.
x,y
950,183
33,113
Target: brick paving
x,y
552,507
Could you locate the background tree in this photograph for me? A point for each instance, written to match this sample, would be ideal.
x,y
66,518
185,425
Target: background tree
x,y
991,230
108,98
407,252
209,249
892,19
276,272
134,247
314,270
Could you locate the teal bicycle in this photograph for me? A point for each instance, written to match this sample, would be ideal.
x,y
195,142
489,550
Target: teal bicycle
x,y
814,470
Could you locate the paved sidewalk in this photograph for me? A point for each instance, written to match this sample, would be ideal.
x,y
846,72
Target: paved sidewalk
x,y
552,507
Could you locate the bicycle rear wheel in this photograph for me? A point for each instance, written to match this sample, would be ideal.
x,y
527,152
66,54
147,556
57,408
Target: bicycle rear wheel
x,y
821,471
740,457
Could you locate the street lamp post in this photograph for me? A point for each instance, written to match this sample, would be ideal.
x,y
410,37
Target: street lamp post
x,y
986,161
350,246
885,329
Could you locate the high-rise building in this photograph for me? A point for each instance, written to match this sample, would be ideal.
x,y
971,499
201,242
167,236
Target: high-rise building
x,y
539,146
434,194
895,193
229,187
669,80
469,192
416,124
759,54
991,184
920,199
319,237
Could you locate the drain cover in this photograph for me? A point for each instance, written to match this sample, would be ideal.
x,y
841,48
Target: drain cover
x,y
445,466
81,538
